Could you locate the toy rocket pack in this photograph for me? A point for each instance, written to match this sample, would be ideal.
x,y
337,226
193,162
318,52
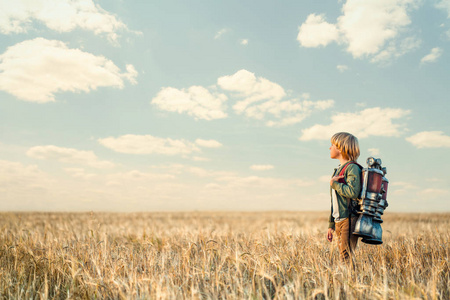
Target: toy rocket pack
x,y
372,202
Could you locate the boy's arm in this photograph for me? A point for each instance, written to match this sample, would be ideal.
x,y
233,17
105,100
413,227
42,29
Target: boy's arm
x,y
331,223
353,187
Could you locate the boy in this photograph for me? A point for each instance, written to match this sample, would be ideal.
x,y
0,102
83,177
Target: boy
x,y
344,188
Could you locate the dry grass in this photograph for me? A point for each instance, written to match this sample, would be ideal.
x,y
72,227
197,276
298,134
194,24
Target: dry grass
x,y
279,255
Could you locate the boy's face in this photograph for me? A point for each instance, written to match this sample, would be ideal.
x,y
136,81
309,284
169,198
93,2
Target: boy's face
x,y
334,152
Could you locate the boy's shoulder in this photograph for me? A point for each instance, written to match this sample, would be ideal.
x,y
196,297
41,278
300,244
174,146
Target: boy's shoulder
x,y
353,167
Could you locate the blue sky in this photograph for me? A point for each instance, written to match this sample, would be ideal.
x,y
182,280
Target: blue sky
x,y
221,105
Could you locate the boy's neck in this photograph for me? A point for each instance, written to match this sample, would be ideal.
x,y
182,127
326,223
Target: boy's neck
x,y
343,160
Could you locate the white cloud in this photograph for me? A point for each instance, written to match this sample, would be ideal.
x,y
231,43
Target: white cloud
x,y
262,182
199,158
253,89
208,143
365,27
342,68
396,48
20,182
136,175
166,187
263,97
220,33
430,139
261,167
368,25
287,112
79,173
369,122
200,172
68,155
445,6
433,192
15,172
402,187
258,98
244,42
435,180
58,15
34,70
432,56
324,178
196,101
317,32
147,144
374,151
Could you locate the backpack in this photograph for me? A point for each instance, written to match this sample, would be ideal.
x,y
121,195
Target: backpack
x,y
373,202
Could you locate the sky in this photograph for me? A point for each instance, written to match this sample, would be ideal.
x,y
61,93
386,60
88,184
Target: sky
x,y
219,105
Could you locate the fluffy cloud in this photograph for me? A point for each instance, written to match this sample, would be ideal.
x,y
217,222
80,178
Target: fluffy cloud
x,y
368,25
262,97
369,122
208,143
20,174
79,173
22,186
402,187
58,15
258,98
432,56
317,32
324,178
220,33
261,167
374,151
34,70
262,182
365,27
147,144
445,6
179,169
68,155
342,68
396,49
434,193
430,139
196,101
253,89
136,175
287,112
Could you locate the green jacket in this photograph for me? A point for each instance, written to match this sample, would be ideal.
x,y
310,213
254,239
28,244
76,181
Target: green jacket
x,y
345,192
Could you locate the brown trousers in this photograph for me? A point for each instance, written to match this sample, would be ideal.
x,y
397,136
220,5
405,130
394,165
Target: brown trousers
x,y
346,240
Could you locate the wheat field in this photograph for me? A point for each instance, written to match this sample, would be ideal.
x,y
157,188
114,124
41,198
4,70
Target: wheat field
x,y
216,255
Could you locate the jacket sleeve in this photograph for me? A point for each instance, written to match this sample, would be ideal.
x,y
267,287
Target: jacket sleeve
x,y
352,189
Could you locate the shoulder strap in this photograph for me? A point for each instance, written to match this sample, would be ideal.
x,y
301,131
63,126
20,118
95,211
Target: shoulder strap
x,y
342,172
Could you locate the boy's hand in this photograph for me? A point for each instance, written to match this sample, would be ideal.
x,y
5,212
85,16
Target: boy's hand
x,y
330,234
335,178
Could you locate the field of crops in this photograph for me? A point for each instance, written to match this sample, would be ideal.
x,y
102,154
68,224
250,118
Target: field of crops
x,y
218,255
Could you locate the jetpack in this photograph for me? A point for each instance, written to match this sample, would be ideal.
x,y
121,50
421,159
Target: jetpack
x,y
372,202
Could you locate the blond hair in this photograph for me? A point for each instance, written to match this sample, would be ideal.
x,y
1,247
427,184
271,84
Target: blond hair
x,y
346,143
